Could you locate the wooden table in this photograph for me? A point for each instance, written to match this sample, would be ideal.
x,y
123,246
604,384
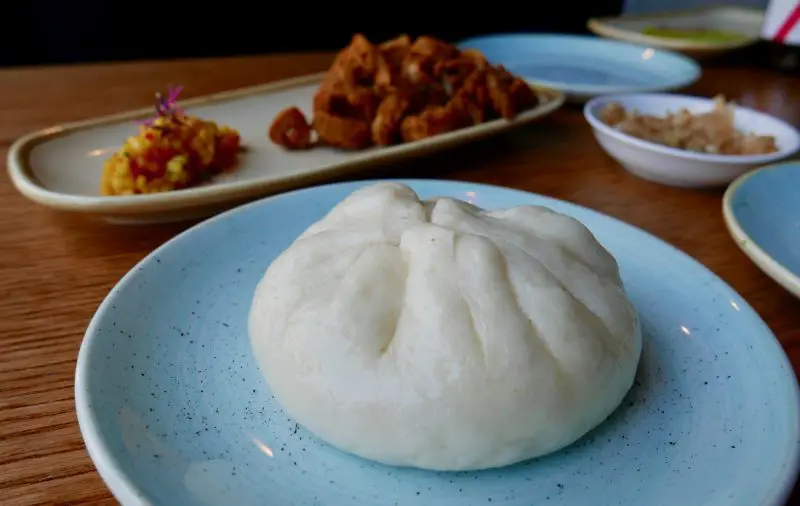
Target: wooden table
x,y
56,268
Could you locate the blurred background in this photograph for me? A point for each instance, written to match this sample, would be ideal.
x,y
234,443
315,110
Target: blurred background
x,y
61,31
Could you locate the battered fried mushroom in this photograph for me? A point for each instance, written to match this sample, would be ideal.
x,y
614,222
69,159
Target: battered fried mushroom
x,y
291,130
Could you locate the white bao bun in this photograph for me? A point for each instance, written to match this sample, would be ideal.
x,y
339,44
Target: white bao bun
x,y
437,335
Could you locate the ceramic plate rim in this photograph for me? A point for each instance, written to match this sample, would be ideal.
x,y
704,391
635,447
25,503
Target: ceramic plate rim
x,y
602,26
771,267
124,489
593,89
594,121
23,179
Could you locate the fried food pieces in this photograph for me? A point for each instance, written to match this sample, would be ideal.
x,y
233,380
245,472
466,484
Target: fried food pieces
x,y
402,90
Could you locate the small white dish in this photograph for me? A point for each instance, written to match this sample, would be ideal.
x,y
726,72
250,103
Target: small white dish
x,y
678,167
60,167
742,21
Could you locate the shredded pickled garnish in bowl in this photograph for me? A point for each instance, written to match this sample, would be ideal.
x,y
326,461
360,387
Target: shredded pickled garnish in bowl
x,y
712,132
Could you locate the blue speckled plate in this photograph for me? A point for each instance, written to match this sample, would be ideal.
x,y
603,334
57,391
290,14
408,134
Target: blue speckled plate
x,y
174,411
584,67
762,212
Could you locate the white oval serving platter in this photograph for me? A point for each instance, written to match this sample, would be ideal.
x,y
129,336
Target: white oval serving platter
x,y
60,167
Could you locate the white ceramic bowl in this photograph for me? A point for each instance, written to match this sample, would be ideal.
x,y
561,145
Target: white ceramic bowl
x,y
677,167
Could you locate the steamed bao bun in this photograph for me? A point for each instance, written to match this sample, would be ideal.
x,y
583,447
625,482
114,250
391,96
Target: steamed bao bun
x,y
437,335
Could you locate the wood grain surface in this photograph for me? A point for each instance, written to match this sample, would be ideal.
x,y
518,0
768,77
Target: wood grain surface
x,y
56,268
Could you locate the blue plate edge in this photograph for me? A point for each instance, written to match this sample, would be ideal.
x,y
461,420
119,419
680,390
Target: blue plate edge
x,y
600,89
773,268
